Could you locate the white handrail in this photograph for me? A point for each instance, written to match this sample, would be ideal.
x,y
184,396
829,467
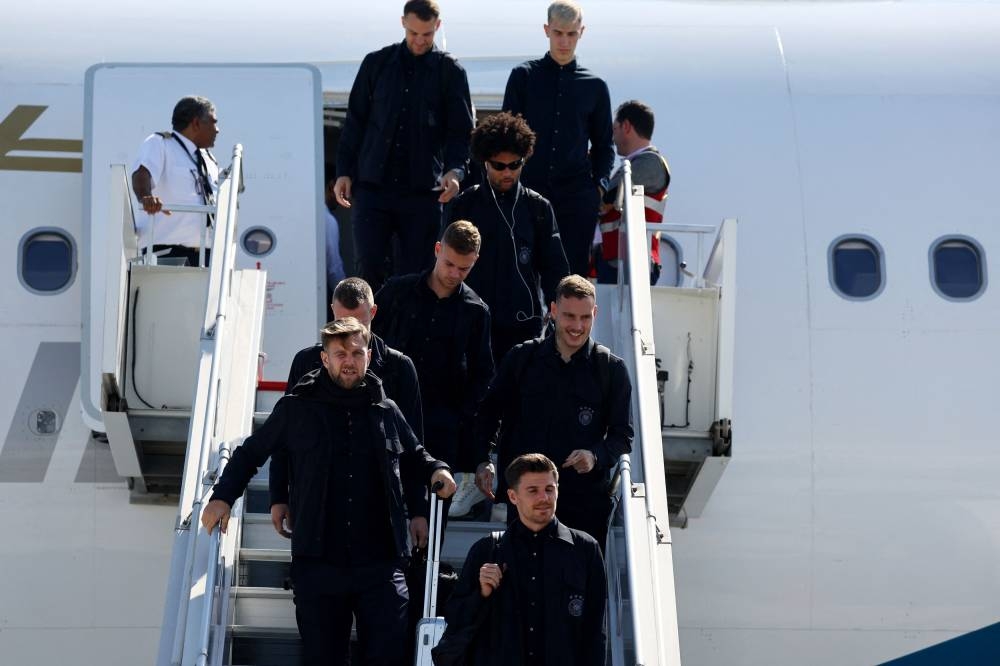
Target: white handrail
x,y
216,563
636,276
215,316
625,470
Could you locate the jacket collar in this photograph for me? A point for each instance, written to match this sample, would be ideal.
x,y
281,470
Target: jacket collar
x,y
402,54
555,530
463,292
548,61
308,388
584,352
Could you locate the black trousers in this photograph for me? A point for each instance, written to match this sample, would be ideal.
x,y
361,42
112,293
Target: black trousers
x,y
588,513
576,208
377,215
329,598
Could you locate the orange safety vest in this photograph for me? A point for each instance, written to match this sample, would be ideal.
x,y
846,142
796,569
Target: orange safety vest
x,y
654,204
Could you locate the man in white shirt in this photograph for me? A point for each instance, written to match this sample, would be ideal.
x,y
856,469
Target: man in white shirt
x,y
177,168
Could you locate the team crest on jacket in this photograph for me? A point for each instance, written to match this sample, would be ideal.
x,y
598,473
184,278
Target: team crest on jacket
x,y
575,605
585,416
524,255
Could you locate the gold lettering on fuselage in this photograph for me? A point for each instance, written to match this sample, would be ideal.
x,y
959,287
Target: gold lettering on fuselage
x,y
12,130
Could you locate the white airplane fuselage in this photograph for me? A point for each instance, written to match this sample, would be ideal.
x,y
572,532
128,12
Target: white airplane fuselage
x,y
859,519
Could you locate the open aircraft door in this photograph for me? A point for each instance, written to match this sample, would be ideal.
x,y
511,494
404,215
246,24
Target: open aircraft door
x,y
275,112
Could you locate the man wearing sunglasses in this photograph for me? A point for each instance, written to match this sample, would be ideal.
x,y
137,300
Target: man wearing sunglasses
x,y
522,257
569,108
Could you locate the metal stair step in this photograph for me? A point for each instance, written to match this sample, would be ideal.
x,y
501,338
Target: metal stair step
x,y
263,609
258,532
265,555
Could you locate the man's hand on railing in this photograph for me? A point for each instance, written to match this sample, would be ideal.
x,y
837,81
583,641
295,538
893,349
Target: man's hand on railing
x,y
152,204
215,513
280,517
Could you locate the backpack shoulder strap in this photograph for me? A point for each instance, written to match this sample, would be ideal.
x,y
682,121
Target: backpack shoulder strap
x,y
525,352
448,64
378,62
604,371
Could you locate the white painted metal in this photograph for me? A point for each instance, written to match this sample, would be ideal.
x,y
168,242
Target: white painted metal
x,y
720,270
282,177
654,609
709,475
123,448
807,119
223,408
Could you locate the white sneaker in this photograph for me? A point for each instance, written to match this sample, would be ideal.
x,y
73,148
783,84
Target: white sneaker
x,y
467,496
499,513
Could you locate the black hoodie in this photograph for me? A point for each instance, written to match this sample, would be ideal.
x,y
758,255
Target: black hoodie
x,y
301,427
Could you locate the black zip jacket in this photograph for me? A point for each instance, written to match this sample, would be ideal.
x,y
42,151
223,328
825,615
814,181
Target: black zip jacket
x,y
543,404
439,133
301,426
518,268
574,591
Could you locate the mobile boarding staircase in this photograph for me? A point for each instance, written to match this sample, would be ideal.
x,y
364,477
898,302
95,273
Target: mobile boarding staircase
x,y
228,602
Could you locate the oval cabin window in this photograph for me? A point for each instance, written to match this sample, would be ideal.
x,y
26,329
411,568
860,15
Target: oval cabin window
x,y
957,268
258,241
856,267
47,261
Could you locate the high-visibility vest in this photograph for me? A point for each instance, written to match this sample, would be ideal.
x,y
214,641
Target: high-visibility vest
x,y
654,204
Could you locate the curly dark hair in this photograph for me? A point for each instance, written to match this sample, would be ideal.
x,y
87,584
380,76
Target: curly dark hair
x,y
502,133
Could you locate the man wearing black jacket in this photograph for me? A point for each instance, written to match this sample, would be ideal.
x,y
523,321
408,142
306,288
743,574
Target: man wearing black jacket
x,y
522,258
351,298
405,145
568,107
437,320
355,469
567,397
534,595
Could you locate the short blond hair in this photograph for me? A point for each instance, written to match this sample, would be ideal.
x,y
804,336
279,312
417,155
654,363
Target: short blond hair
x,y
566,11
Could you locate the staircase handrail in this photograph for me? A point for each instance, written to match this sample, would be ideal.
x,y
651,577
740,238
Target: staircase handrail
x,y
216,310
636,265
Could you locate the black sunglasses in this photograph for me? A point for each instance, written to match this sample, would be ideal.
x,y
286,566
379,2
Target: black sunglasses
x,y
500,166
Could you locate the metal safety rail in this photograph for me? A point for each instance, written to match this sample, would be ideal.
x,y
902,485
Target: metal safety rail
x,y
649,622
221,415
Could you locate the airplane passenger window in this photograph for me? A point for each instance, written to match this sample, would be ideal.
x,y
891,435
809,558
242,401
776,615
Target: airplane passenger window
x,y
958,271
46,261
258,241
856,267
